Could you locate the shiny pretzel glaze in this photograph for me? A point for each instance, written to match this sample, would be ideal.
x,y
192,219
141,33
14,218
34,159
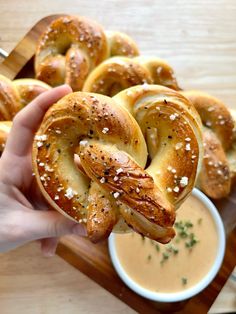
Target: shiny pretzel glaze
x,y
14,95
72,46
118,73
9,99
111,182
218,166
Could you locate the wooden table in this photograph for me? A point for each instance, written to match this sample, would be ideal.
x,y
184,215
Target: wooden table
x,y
198,39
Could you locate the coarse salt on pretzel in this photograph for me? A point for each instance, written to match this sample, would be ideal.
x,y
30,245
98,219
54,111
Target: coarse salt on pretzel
x,y
111,181
72,46
118,73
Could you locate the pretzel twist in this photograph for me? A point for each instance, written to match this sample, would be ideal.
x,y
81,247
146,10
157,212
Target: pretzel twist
x,y
215,176
72,46
118,73
111,182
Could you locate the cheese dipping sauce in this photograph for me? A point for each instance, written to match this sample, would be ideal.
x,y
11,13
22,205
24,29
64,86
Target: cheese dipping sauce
x,y
178,265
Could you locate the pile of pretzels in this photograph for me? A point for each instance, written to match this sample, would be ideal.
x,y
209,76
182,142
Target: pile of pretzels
x,y
126,148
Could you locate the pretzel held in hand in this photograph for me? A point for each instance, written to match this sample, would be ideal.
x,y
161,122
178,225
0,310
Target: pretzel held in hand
x,y
111,183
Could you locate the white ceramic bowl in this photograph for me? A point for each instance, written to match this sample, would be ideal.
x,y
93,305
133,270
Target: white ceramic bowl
x,y
188,293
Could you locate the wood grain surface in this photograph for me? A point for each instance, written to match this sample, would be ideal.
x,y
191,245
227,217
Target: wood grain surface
x,y
198,39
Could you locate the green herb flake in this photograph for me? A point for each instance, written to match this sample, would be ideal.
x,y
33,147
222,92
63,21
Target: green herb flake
x,y
157,248
149,257
184,281
199,221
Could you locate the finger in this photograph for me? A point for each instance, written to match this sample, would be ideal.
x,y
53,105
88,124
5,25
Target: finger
x,y
47,224
48,246
27,121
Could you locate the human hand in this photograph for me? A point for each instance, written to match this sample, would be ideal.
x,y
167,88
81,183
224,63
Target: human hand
x,y
24,214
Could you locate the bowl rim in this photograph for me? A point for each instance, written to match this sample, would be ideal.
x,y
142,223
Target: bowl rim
x,y
190,292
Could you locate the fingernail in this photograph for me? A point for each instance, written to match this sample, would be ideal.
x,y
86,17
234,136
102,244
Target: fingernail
x,y
79,230
49,253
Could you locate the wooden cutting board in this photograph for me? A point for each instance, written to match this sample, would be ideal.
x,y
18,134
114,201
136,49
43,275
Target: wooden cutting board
x,y
93,259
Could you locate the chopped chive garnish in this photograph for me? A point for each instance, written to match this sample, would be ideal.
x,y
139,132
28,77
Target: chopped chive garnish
x,y
157,247
199,221
184,281
149,257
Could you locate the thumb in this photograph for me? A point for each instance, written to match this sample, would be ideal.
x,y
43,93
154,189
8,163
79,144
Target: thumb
x,y
48,224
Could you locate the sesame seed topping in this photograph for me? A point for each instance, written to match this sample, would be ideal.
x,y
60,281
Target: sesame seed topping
x,y
58,131
188,139
169,190
56,197
173,170
137,190
116,178
41,164
208,123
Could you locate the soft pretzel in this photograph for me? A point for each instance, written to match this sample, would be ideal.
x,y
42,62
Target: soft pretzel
x,y
29,89
9,99
5,127
214,178
14,95
120,44
118,73
72,46
231,153
111,181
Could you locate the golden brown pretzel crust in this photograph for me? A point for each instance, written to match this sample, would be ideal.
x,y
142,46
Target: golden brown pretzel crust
x,y
121,44
72,46
214,178
9,99
5,127
112,153
14,95
118,73
68,50
29,89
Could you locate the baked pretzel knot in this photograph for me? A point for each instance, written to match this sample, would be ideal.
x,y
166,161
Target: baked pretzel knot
x,y
118,73
110,184
218,166
72,46
14,95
